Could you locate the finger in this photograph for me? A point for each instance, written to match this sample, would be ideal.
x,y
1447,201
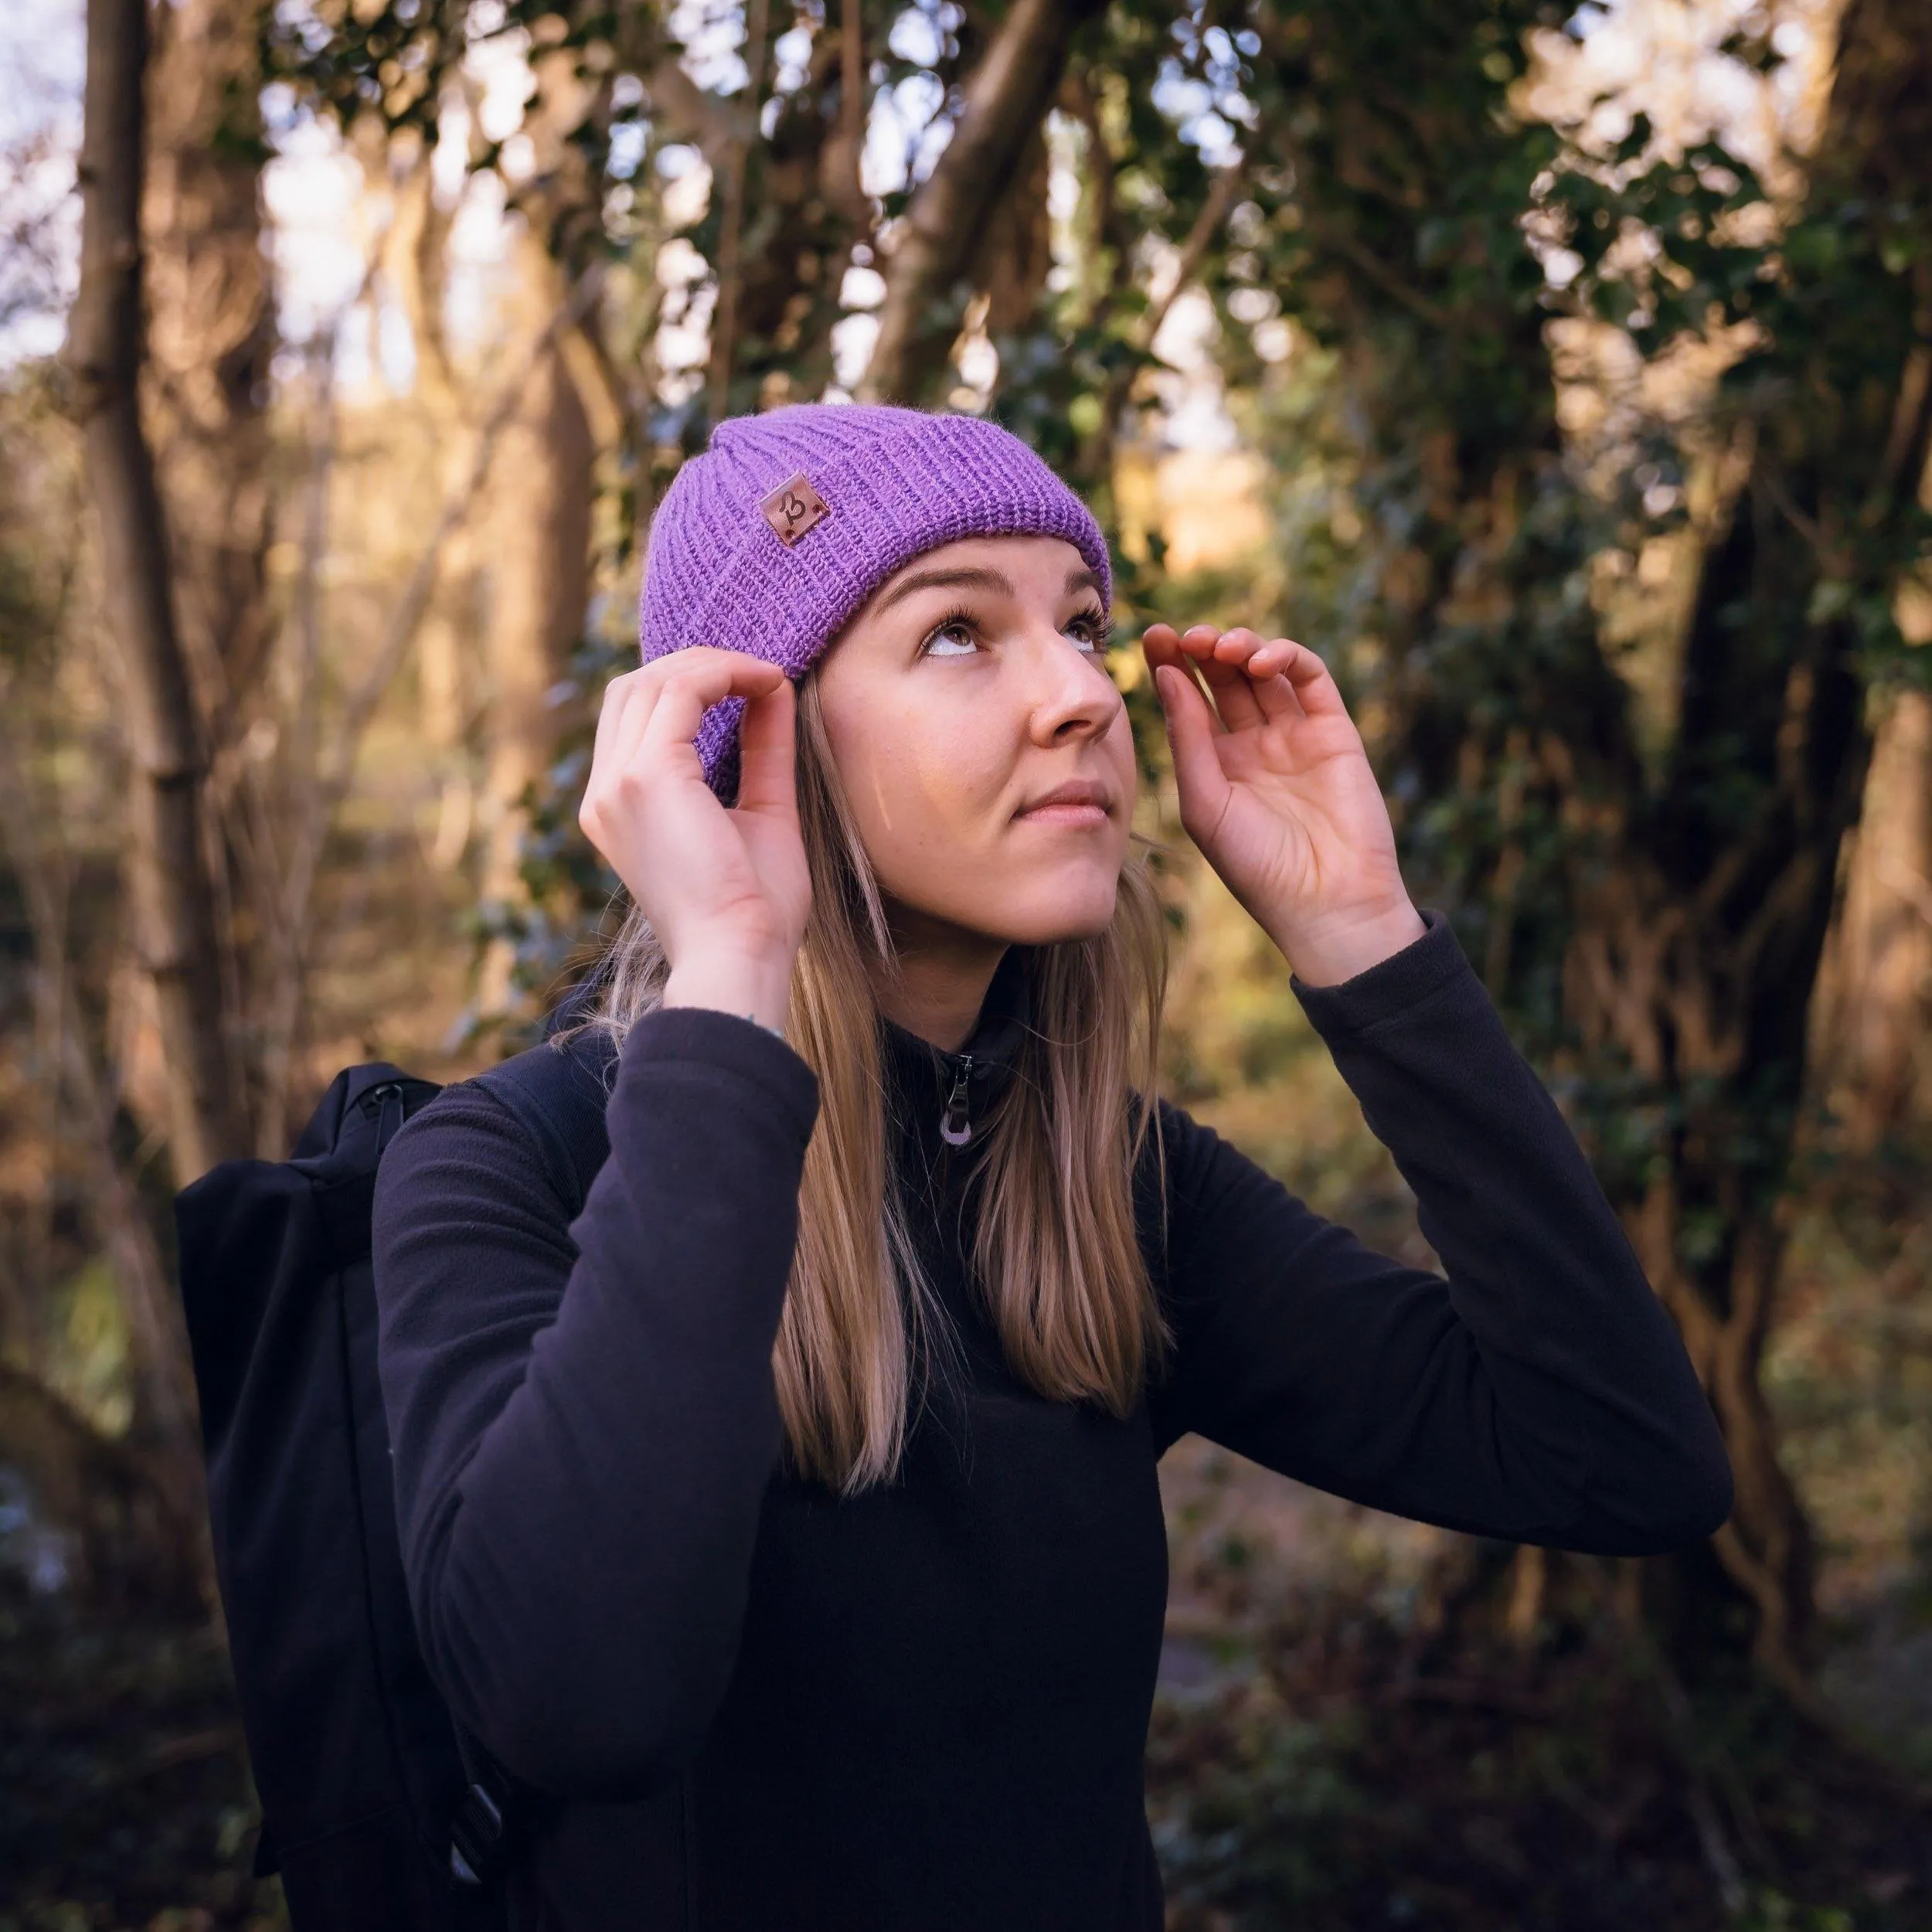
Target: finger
x,y
712,662
767,753
1160,643
708,677
619,694
647,686
1235,708
1189,674
1313,682
627,703
1243,650
1199,779
627,732
1233,696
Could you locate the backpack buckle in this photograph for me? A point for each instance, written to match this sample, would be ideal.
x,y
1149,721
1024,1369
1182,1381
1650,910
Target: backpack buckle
x,y
475,1832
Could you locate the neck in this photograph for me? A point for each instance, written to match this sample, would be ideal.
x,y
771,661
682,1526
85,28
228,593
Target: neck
x,y
941,985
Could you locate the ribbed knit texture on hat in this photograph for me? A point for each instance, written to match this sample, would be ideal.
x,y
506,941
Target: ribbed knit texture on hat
x,y
895,481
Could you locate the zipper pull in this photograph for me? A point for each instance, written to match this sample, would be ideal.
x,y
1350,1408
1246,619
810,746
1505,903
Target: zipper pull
x,y
387,1100
955,1128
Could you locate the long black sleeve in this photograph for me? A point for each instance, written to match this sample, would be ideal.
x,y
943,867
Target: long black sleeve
x,y
1540,1393
583,1420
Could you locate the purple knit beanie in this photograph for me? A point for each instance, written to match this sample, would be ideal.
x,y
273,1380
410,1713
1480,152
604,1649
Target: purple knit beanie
x,y
771,540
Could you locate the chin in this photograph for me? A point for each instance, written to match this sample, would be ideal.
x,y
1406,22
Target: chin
x,y
1051,911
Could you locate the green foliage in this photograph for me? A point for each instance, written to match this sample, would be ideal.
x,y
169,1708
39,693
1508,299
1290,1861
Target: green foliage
x,y
572,890
1439,534
1660,241
1419,234
87,1353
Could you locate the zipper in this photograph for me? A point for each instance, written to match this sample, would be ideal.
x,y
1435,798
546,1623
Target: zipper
x,y
386,1102
955,1124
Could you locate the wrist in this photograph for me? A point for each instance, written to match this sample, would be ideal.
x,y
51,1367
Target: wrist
x,y
755,987
1325,953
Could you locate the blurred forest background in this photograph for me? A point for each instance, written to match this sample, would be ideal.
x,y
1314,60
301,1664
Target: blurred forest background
x,y
1561,372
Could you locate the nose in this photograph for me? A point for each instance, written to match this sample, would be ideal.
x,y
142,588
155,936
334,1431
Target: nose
x,y
1072,697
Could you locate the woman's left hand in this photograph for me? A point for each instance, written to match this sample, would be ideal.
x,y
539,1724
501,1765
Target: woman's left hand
x,y
1276,790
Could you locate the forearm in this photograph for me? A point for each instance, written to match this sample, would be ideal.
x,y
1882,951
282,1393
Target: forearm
x,y
1540,1392
581,1501
1589,1378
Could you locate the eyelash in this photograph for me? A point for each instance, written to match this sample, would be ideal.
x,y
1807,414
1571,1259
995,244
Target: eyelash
x,y
1099,626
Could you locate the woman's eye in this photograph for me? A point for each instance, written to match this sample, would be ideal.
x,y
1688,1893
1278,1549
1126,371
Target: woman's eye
x,y
950,640
1088,630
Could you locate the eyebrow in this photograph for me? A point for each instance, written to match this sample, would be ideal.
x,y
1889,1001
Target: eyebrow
x,y
963,580
974,578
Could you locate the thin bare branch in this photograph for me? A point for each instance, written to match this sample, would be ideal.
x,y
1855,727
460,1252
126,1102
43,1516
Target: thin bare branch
x,y
724,317
851,91
1006,96
1206,224
407,617
322,798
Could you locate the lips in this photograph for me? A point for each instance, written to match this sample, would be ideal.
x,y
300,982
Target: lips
x,y
1081,801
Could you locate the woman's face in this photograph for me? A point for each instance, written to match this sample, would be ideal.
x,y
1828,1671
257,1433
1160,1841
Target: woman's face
x,y
984,750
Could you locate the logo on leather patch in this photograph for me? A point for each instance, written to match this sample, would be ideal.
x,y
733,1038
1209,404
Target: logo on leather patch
x,y
794,507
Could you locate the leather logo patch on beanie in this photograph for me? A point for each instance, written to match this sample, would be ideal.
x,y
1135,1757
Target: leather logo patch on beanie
x,y
794,507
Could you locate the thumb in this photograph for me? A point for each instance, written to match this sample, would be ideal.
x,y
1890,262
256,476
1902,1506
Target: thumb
x,y
1198,776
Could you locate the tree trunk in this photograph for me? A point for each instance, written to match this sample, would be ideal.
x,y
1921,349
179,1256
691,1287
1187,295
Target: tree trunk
x,y
800,202
1006,98
173,905
205,389
538,565
1875,993
211,337
1686,894
1697,947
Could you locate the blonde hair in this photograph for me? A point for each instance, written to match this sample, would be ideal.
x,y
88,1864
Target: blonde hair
x,y
1056,1249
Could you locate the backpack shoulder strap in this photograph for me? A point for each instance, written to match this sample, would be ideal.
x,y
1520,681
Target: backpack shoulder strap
x,y
558,1093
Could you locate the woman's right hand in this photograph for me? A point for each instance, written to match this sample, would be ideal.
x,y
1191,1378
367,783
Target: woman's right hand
x,y
727,891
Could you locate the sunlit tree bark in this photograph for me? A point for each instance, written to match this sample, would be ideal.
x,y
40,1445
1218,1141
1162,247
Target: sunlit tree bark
x,y
1869,1055
211,336
536,588
1007,96
175,923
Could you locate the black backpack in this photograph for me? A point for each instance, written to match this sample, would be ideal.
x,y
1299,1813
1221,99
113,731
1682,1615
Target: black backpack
x,y
378,1816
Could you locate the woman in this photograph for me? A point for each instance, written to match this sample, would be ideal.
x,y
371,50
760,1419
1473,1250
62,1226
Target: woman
x,y
787,1524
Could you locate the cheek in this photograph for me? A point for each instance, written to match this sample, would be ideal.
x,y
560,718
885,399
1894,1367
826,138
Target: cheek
x,y
930,784
924,785
1120,745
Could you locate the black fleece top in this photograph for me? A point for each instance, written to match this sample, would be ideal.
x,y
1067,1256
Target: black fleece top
x,y
744,1702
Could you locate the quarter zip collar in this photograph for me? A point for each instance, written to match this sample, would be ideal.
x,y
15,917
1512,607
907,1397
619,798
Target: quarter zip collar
x,y
951,1090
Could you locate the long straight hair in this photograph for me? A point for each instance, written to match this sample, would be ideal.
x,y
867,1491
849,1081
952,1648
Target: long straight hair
x,y
1055,1252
